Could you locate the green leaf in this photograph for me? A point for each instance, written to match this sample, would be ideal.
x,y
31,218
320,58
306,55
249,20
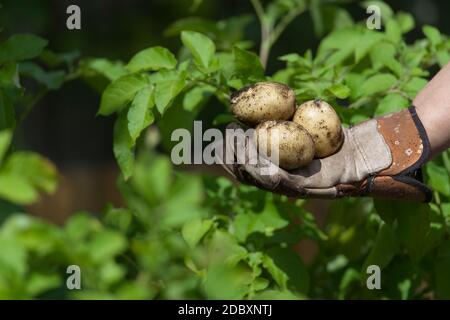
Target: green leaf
x,y
367,41
353,81
40,283
223,249
358,118
39,171
404,287
405,21
154,58
350,276
436,230
416,226
9,75
443,56
413,229
337,263
21,47
340,91
291,264
247,64
266,222
276,295
414,85
53,59
16,189
193,231
5,140
384,248
111,273
280,277
111,70
152,179
394,31
24,174
433,35
79,226
201,47
123,145
120,92
183,203
106,244
118,218
414,57
438,178
167,89
384,55
140,115
195,98
223,282
335,39
392,102
260,284
378,83
245,224
13,257
51,79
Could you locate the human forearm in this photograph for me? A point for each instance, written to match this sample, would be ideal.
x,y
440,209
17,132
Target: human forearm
x,y
433,107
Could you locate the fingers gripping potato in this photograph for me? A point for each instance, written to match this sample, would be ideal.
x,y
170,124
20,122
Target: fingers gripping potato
x,y
295,145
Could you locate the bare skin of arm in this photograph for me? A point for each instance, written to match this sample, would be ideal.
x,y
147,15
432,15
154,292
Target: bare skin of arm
x,y
433,108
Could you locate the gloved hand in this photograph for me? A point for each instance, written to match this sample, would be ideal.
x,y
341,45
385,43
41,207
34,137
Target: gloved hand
x,y
379,158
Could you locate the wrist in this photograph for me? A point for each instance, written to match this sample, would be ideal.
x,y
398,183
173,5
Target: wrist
x,y
428,120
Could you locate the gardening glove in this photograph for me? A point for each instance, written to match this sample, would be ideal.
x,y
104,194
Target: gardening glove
x,y
379,158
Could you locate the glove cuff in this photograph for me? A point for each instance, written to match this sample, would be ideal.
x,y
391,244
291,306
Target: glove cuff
x,y
408,143
407,140
399,187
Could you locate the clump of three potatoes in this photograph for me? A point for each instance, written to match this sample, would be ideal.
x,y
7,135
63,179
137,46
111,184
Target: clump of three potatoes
x,y
315,129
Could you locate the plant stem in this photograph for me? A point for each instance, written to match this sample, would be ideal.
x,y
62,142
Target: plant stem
x,y
285,21
30,106
220,88
264,48
270,35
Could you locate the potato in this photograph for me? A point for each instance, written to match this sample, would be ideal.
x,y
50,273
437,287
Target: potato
x,y
323,124
263,101
296,147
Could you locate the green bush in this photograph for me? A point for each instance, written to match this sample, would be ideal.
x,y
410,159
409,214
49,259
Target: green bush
x,y
184,235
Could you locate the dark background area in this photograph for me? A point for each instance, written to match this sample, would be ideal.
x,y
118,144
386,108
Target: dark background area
x,y
64,125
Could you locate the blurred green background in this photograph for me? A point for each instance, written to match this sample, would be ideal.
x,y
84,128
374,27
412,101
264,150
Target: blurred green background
x,y
64,127
142,252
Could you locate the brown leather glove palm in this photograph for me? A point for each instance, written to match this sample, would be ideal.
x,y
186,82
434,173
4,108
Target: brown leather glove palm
x,y
379,158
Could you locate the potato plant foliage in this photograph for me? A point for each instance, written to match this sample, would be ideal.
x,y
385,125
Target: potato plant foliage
x,y
186,235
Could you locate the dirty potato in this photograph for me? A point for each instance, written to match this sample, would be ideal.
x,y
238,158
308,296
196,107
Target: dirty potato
x,y
263,101
296,147
323,124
